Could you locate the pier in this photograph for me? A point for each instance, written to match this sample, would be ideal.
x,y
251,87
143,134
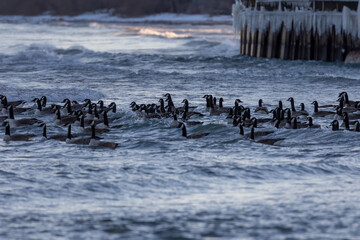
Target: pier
x,y
300,29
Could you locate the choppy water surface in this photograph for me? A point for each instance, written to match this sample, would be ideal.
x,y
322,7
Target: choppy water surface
x,y
156,184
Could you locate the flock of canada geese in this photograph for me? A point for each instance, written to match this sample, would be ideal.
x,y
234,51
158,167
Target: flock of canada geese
x,y
90,120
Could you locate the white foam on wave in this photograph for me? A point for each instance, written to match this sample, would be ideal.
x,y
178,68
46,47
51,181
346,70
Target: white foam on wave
x,y
108,17
53,94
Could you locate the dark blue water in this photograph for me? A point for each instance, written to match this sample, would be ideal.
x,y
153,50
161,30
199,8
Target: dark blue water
x,y
156,184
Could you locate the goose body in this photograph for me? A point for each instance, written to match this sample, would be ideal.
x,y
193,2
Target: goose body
x,y
318,113
16,137
261,108
302,112
20,122
58,137
193,136
268,141
94,142
79,141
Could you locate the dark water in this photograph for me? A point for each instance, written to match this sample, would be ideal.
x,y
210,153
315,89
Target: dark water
x,y
156,184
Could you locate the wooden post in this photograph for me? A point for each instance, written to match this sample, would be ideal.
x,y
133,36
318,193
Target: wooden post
x,y
308,44
316,46
254,39
332,44
269,48
292,43
338,47
248,41
243,42
301,44
284,42
260,44
323,46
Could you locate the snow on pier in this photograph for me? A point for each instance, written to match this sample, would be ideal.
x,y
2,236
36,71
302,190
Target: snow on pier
x,y
296,29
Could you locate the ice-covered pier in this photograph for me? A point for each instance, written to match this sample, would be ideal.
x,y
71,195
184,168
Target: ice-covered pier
x,y
298,29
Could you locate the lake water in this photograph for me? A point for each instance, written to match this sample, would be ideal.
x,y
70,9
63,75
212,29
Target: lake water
x,y
157,184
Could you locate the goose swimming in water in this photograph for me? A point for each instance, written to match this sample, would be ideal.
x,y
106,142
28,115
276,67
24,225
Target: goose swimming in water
x,y
318,113
87,131
347,102
335,125
257,134
184,118
62,120
292,103
5,103
302,112
171,106
58,137
268,141
78,141
43,110
175,123
221,106
193,136
95,142
20,122
16,137
311,125
261,108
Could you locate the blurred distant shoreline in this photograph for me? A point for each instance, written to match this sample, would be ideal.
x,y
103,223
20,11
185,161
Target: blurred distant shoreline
x,y
124,8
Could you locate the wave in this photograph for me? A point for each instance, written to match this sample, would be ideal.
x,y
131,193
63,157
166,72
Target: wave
x,y
108,17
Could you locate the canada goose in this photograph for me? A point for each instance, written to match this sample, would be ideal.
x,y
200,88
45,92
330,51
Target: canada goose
x,y
87,131
241,128
171,106
62,120
311,125
347,108
261,108
318,113
16,137
67,109
41,110
346,123
184,118
186,109
58,137
14,104
147,114
229,117
162,106
134,107
105,122
335,125
347,102
268,141
207,102
175,123
297,125
79,141
302,112
292,102
20,122
237,108
357,127
43,100
257,134
94,142
193,136
221,106
17,110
